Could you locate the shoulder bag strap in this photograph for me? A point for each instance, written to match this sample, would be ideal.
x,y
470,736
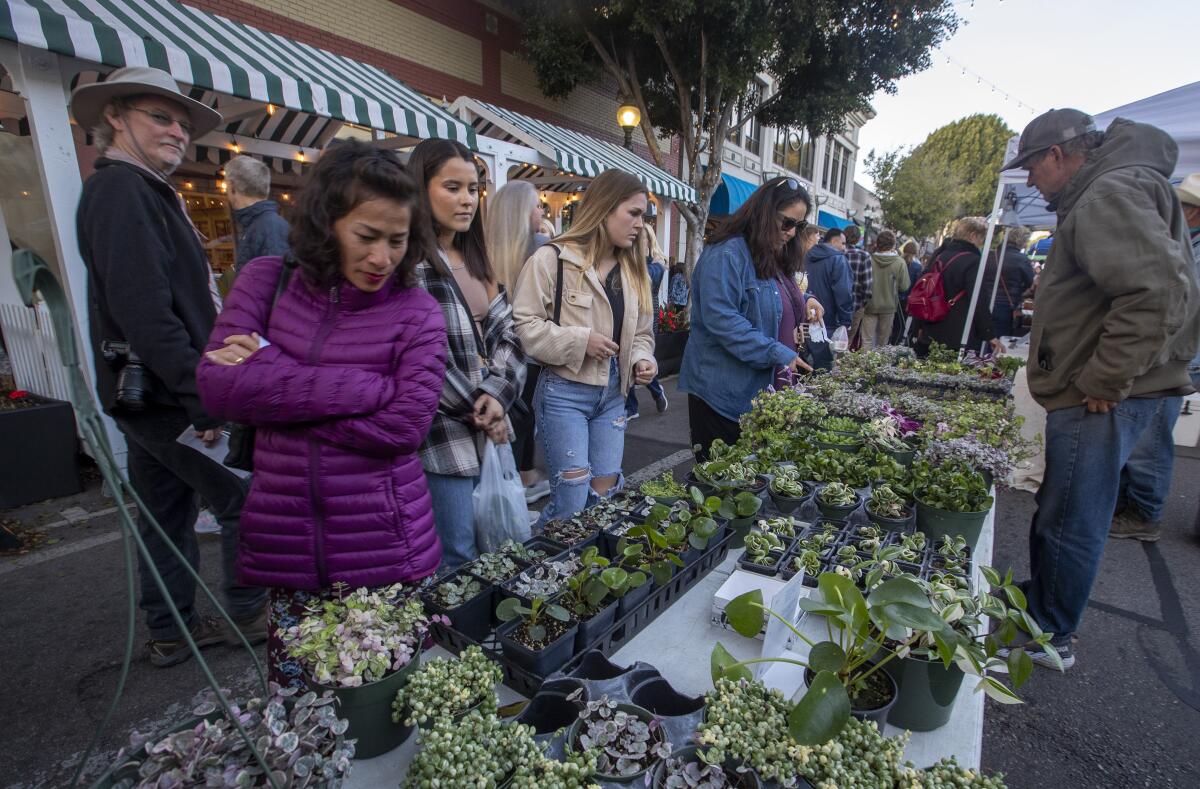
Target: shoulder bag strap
x,y
558,285
285,276
942,271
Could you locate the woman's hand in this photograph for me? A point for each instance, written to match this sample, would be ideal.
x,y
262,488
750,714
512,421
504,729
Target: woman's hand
x,y
238,348
997,346
497,432
644,372
815,311
798,365
488,412
601,348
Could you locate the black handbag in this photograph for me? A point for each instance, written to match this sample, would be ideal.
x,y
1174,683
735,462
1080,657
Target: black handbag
x,y
241,437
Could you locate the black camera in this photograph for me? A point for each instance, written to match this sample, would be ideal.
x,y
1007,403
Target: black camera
x,y
134,382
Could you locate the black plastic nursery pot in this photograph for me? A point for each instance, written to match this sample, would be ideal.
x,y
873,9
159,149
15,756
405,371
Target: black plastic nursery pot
x,y
550,658
787,504
877,714
550,709
926,693
941,523
657,696
636,778
474,617
553,550
738,780
590,630
690,480
770,569
633,598
890,524
40,462
838,512
368,709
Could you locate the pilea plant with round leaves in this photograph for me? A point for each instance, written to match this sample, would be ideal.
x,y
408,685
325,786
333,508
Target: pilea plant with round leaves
x,y
480,750
541,621
301,746
445,689
837,494
653,551
352,639
586,592
624,743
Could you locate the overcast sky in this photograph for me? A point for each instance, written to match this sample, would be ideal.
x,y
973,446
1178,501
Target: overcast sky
x,y
1089,54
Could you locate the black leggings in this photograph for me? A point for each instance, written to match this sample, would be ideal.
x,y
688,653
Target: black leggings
x,y
706,426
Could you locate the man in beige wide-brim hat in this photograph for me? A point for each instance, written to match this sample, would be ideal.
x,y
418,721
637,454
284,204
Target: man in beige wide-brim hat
x,y
151,311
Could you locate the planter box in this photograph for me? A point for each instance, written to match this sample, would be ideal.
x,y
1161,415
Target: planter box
x,y
39,458
668,351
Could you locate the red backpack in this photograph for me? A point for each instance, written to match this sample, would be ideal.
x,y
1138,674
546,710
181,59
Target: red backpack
x,y
927,300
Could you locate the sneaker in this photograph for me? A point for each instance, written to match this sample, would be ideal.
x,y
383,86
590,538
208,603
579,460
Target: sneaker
x,y
1128,526
533,516
206,632
206,523
631,417
1039,656
537,491
253,627
660,401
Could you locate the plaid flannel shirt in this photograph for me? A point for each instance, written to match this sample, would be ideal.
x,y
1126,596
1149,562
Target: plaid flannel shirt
x,y
864,278
454,444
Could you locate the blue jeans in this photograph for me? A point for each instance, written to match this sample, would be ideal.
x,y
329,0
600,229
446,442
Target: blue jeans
x,y
1084,456
582,427
631,403
454,517
1146,478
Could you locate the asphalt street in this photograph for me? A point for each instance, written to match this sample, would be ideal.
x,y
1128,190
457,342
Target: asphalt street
x,y
1126,715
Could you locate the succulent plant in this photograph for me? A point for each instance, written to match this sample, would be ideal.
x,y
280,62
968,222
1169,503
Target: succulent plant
x,y
570,531
495,567
808,562
664,486
885,503
788,487
683,774
625,743
840,424
456,591
783,527
526,553
444,689
356,638
837,494
544,580
759,546
301,747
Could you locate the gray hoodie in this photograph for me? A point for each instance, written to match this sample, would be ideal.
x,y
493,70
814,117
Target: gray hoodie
x,y
891,279
1117,302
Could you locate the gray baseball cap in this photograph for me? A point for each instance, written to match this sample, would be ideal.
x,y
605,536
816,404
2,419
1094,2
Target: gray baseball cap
x,y
1050,128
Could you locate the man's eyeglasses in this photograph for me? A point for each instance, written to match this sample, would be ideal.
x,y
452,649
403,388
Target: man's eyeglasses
x,y
786,223
165,121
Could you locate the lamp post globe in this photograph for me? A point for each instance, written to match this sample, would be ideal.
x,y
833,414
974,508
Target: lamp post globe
x,y
628,118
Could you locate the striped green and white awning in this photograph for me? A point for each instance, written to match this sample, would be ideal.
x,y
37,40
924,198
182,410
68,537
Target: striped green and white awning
x,y
217,54
574,152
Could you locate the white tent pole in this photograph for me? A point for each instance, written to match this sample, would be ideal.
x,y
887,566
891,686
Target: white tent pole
x,y
987,242
999,267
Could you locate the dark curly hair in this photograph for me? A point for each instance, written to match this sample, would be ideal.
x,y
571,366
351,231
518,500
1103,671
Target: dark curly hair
x,y
347,174
757,221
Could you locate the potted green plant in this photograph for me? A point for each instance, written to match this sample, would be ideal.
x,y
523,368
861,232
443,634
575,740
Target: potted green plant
x,y
837,500
887,509
448,689
654,551
788,490
746,722
763,553
783,527
496,568
298,735
465,600
575,532
726,475
807,561
884,434
740,510
589,596
543,580
952,500
539,637
833,440
686,769
664,489
362,646
628,740
840,424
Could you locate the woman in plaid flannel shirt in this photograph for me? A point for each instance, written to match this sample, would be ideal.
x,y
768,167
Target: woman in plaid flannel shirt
x,y
482,383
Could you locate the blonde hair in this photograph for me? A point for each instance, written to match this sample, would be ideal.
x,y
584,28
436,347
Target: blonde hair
x,y
968,227
648,244
910,250
607,191
506,230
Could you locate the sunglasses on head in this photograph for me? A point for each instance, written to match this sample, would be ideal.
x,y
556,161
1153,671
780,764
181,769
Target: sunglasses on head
x,y
791,183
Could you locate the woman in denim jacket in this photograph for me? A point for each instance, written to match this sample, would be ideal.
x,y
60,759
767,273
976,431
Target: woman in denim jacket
x,y
737,305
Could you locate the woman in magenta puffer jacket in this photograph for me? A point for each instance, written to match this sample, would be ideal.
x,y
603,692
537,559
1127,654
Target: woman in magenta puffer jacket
x,y
341,375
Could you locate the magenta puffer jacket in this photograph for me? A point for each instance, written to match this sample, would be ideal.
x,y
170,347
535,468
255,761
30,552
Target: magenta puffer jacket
x,y
342,398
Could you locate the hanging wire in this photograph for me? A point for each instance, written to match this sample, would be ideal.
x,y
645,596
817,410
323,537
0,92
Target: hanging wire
x,y
32,274
964,71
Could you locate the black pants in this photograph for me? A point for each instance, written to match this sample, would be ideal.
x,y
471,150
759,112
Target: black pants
x,y
168,476
524,446
706,426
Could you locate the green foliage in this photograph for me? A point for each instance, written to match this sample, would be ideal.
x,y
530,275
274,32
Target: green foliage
x,y
663,487
444,689
511,608
952,486
953,173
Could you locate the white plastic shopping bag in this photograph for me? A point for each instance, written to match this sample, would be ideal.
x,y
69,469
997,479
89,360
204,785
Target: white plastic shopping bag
x,y
499,500
840,341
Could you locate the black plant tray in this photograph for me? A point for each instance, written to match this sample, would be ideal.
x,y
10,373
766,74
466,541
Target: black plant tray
x,y
622,631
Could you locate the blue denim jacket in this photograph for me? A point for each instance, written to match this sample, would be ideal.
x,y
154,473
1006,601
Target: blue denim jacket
x,y
734,347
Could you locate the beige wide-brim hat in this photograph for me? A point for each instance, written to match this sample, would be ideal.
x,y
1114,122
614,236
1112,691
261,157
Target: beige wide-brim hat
x,y
89,101
1189,190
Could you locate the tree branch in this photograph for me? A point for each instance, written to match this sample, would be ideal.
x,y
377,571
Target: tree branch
x,y
635,85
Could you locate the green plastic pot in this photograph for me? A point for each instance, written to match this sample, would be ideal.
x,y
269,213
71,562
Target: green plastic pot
x,y
927,692
640,776
740,527
369,710
903,457
943,523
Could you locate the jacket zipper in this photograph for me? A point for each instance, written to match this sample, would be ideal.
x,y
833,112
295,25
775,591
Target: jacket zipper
x,y
314,449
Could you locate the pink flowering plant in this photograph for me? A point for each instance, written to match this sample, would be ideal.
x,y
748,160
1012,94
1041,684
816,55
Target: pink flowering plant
x,y
351,639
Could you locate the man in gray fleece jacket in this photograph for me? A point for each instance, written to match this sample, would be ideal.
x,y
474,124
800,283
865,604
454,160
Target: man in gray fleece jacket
x,y
1116,324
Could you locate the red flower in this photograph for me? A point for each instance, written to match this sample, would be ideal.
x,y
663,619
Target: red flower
x,y
17,394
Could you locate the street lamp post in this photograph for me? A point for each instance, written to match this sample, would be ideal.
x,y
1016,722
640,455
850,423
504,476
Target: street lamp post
x,y
628,118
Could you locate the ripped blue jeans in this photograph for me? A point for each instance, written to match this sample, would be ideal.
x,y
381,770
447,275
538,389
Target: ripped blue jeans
x,y
582,427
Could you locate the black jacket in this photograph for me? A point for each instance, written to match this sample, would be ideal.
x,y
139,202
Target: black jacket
x,y
262,232
958,277
1015,279
148,283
